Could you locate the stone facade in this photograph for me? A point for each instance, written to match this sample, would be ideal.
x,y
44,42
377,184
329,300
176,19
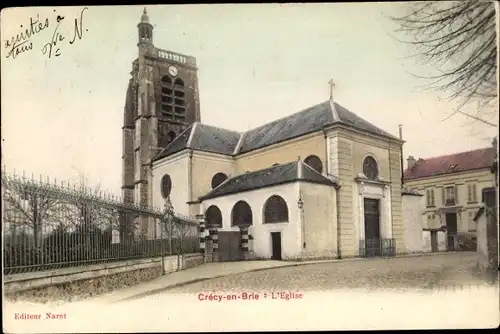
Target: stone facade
x,y
82,289
71,284
347,150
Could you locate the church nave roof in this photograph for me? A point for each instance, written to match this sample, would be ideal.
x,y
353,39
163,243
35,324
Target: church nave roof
x,y
273,176
217,140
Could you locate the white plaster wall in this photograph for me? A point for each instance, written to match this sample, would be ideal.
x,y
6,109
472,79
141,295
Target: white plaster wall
x,y
426,241
261,244
177,167
441,236
413,222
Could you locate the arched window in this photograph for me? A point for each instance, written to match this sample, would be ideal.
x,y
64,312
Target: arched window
x,y
166,185
213,216
241,214
275,210
217,179
370,168
167,97
180,100
315,163
170,136
173,99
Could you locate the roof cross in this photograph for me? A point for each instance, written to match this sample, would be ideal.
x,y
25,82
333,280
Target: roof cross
x,y
331,83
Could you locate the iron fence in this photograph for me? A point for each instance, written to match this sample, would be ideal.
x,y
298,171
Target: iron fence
x,y
462,242
47,225
377,247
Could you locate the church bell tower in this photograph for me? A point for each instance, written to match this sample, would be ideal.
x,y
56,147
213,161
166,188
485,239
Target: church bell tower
x,y
162,100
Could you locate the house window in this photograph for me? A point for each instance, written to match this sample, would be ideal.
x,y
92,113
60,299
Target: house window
x,y
449,195
472,223
429,195
275,210
370,168
471,193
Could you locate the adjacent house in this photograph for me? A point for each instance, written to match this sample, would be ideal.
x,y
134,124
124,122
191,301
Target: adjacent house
x,y
452,186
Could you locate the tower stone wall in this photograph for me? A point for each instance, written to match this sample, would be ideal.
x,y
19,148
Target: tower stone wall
x,y
162,100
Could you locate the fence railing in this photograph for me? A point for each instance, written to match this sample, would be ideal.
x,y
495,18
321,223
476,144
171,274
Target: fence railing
x,y
377,247
462,242
48,226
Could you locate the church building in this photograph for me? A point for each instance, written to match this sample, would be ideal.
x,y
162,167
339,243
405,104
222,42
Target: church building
x,y
320,183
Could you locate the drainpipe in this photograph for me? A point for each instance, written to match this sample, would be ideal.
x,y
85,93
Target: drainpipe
x,y
327,165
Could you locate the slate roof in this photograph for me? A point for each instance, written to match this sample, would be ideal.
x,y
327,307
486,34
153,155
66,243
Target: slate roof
x,y
276,175
452,163
203,137
212,139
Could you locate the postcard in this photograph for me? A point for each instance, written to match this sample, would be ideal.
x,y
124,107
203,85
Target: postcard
x,y
253,167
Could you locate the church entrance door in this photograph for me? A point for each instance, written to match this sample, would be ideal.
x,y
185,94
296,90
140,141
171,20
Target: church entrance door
x,y
229,246
276,244
372,227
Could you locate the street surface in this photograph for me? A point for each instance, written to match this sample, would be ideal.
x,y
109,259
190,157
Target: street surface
x,y
397,274
320,296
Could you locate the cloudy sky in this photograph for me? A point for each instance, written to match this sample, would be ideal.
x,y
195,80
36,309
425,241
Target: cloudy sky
x,y
62,115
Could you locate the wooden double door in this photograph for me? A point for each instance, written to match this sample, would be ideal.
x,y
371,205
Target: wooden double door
x,y
372,227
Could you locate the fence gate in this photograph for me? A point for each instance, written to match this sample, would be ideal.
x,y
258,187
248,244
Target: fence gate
x,y
229,246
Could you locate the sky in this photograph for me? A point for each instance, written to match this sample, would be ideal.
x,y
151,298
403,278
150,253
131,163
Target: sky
x,y
62,114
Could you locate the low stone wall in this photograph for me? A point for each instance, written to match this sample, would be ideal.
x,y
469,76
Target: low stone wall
x,y
77,283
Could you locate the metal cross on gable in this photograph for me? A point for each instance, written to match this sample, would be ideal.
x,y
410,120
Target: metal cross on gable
x,y
331,83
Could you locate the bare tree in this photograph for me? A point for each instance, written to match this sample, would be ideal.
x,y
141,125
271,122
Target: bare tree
x,y
459,39
27,204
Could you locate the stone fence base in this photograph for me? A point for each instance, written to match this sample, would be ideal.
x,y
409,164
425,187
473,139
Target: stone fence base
x,y
70,284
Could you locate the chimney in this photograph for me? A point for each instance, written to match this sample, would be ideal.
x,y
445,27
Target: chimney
x,y
411,161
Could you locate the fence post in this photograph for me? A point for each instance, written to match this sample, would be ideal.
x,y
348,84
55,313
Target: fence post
x,y
244,241
212,230
162,245
201,234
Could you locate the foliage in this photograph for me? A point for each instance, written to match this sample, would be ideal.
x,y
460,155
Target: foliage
x,y
459,39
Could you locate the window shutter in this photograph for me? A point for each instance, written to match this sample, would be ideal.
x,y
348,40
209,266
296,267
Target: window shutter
x,y
474,193
432,198
442,195
469,193
456,194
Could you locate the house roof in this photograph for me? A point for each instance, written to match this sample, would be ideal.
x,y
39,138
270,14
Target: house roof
x,y
409,191
227,142
452,163
276,175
